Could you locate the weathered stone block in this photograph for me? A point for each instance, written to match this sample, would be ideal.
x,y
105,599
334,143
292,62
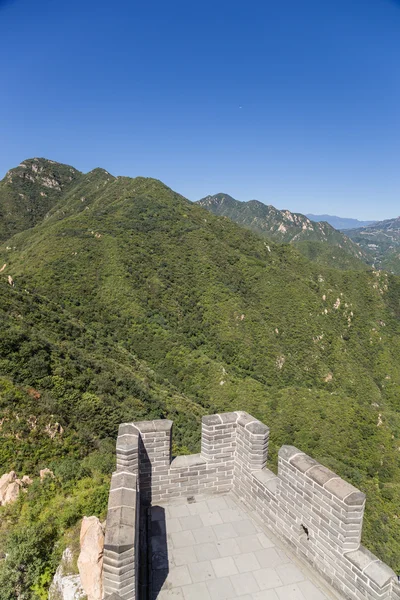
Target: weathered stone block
x,y
288,452
211,420
163,425
122,497
121,515
379,573
342,489
257,428
229,417
127,429
123,479
321,475
120,538
244,418
302,462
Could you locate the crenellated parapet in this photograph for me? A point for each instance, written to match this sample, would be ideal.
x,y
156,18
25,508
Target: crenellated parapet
x,y
313,510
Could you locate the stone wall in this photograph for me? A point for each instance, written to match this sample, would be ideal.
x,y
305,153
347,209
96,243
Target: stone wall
x,y
316,512
211,471
313,510
396,591
121,545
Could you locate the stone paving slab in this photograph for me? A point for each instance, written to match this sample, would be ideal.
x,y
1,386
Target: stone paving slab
x,y
215,550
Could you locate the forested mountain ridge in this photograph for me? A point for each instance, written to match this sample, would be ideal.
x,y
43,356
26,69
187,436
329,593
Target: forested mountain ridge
x,y
129,302
294,228
382,241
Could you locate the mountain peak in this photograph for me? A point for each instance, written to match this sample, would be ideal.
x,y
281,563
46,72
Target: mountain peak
x,y
217,199
30,190
42,171
100,171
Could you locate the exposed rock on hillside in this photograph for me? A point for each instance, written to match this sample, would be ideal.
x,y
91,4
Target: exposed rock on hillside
x,y
90,561
45,473
29,191
66,584
10,487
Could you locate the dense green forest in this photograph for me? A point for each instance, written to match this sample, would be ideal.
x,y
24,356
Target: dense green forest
x,y
130,302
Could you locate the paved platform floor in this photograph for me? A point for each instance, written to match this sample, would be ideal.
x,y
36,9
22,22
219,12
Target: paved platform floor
x,y
212,549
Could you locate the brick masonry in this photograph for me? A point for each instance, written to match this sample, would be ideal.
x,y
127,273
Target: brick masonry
x,y
316,512
120,559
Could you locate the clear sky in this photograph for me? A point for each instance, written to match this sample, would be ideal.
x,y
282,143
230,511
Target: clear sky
x,y
294,103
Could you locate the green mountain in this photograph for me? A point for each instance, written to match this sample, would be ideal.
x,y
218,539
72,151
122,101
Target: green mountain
x,y
382,241
29,191
128,301
318,241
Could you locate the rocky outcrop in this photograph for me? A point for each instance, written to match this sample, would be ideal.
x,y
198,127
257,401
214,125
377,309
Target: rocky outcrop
x,y
66,584
10,487
53,429
90,561
45,473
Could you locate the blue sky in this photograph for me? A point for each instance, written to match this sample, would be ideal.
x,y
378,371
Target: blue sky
x,y
293,103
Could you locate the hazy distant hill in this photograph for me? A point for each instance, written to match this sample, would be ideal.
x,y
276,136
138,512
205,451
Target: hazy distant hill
x,y
130,302
339,222
382,240
318,241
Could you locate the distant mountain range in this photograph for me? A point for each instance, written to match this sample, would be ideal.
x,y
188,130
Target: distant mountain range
x,y
318,241
367,244
340,222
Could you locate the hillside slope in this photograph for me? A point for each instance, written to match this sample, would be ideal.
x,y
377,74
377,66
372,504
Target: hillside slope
x,y
382,241
64,389
291,228
231,320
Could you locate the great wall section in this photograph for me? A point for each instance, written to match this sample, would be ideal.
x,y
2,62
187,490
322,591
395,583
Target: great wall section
x,y
316,514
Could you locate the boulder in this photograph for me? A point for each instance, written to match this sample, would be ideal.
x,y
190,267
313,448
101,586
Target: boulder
x,y
45,473
66,584
5,480
9,487
90,561
12,491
